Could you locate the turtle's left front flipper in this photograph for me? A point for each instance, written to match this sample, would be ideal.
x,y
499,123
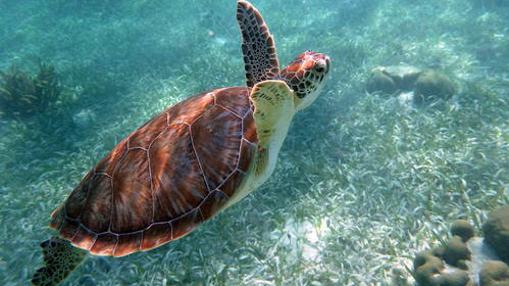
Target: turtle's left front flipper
x,y
258,47
60,259
274,108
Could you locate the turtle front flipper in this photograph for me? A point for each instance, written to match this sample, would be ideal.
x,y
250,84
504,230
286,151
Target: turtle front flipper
x,y
274,108
258,47
60,259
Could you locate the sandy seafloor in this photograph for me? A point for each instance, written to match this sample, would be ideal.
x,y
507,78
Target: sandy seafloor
x,y
363,182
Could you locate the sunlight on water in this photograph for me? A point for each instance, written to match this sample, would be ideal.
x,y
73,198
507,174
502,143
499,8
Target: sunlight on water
x,y
409,134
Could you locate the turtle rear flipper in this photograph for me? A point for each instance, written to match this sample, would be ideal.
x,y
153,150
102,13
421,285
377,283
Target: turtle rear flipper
x,y
60,259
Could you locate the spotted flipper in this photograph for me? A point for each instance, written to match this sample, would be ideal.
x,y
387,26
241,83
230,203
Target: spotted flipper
x,y
60,259
274,107
258,47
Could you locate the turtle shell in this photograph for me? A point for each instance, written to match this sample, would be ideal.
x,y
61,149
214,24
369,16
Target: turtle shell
x,y
165,178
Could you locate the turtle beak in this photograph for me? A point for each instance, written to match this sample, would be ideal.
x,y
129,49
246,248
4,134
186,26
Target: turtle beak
x,y
327,64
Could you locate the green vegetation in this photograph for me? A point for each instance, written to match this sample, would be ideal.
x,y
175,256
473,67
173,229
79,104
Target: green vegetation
x,y
23,95
363,182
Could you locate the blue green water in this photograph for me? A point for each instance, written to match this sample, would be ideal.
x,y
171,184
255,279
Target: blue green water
x,y
363,181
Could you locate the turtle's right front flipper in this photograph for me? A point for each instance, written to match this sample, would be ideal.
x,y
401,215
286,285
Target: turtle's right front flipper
x,y
60,259
258,47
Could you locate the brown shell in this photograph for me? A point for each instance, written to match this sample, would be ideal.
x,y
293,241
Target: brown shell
x,y
165,178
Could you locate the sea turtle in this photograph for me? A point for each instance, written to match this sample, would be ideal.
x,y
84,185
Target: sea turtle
x,y
188,163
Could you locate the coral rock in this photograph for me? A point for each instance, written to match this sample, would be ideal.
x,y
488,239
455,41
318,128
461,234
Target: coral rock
x,y
403,75
380,82
427,268
463,229
391,79
432,85
456,278
494,273
496,231
455,251
438,251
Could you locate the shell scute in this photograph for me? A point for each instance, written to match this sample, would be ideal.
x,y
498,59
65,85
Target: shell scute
x,y
188,111
214,202
128,243
216,138
69,229
186,223
84,238
108,163
147,133
105,244
98,204
78,197
239,105
232,183
155,235
177,180
132,193
247,151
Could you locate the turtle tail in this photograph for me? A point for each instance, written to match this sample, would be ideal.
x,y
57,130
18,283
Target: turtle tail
x,y
60,259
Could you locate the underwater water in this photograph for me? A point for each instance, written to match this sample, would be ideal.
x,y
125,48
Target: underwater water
x,y
363,181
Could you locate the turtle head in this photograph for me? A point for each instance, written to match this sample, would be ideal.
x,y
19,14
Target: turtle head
x,y
306,77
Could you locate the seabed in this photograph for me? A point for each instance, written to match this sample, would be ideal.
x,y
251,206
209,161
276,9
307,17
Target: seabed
x,y
363,182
